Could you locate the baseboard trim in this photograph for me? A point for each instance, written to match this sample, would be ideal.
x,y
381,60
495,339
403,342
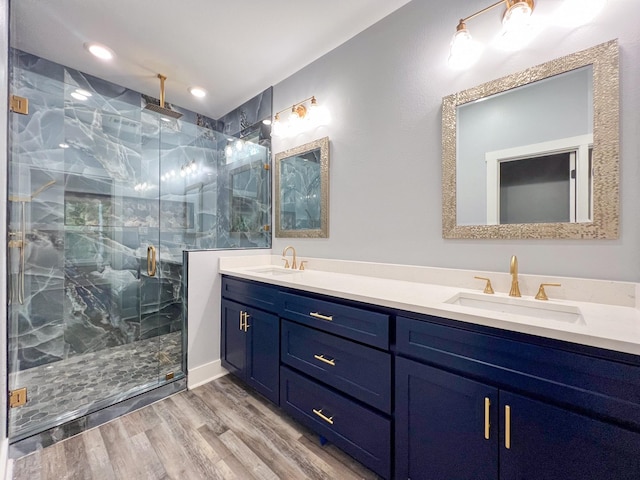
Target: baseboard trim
x,y
205,373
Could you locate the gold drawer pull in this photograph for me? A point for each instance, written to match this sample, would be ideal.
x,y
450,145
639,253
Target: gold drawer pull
x,y
322,317
487,404
331,362
319,413
507,426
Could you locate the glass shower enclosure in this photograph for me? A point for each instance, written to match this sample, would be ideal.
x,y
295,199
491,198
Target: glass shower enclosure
x,y
104,198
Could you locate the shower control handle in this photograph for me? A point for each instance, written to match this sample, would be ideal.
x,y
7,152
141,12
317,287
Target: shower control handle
x,y
151,260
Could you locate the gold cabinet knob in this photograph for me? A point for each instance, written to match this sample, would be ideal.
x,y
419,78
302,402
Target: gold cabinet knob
x,y
542,295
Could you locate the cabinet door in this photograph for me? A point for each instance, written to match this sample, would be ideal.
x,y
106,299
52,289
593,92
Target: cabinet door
x,y
440,425
233,339
263,353
551,443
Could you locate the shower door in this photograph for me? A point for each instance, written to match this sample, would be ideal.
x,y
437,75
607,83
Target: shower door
x,y
89,296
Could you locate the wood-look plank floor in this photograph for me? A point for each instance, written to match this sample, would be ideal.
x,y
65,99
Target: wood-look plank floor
x,y
218,431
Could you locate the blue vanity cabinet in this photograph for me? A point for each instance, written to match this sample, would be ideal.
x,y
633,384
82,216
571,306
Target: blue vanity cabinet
x,y
446,425
336,374
482,404
250,343
548,442
357,370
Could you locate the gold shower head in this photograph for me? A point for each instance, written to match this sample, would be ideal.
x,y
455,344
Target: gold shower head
x,y
161,108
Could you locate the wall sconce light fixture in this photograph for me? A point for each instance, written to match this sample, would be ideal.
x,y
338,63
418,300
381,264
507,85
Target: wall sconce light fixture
x,y
303,116
465,51
517,29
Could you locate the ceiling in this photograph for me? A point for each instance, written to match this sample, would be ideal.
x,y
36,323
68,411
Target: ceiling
x,y
233,49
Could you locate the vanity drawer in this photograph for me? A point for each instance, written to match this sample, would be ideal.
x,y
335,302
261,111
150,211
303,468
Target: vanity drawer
x,y
250,293
608,388
354,323
360,432
357,370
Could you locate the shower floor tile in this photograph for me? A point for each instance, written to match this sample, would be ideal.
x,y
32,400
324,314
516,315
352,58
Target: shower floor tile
x,y
68,389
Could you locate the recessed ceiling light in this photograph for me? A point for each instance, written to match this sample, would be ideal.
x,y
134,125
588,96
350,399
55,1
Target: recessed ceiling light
x,y
267,121
63,145
197,92
78,96
81,91
100,51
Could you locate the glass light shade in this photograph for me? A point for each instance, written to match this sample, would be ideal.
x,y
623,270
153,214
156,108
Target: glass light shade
x,y
464,51
276,128
574,13
321,115
516,16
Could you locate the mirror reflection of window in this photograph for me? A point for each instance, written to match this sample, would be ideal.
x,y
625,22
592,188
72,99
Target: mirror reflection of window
x,y
549,182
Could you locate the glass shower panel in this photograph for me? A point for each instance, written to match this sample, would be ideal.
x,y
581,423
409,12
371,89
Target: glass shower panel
x,y
82,218
244,200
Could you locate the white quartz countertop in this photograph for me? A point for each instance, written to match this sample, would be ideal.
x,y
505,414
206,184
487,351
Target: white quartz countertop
x,y
608,326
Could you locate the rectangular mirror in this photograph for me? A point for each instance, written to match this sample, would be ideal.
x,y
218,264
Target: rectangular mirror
x,y
535,154
302,191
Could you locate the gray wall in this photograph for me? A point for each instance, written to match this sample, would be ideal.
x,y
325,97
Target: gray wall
x,y
384,90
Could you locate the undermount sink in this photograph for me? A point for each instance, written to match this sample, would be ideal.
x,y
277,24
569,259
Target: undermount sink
x,y
274,271
519,306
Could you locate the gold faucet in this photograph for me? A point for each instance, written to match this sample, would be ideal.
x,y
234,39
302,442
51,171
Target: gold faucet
x,y
294,265
513,269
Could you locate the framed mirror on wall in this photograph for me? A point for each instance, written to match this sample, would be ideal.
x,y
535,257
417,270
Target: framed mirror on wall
x,y
302,191
535,154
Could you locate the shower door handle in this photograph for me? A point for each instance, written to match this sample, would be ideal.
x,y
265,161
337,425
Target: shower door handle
x,y
151,260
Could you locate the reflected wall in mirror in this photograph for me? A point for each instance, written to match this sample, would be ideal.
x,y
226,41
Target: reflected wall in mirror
x,y
302,191
535,154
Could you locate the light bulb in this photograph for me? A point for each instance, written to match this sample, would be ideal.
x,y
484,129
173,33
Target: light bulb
x,y
464,51
276,127
517,16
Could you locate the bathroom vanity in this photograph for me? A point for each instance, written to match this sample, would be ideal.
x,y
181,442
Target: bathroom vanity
x,y
414,394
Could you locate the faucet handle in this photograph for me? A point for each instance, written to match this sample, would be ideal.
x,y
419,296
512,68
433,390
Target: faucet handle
x,y
286,263
542,295
487,288
302,262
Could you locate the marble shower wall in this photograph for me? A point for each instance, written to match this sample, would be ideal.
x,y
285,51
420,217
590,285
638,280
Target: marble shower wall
x,y
123,180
